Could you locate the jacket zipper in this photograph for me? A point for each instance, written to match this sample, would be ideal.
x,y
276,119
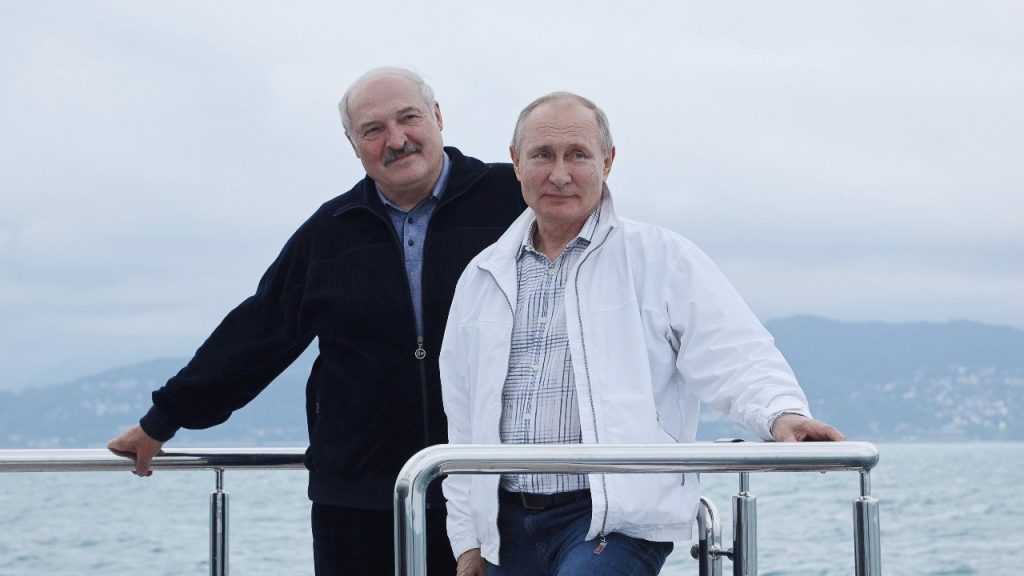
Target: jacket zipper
x,y
507,299
420,353
603,543
590,395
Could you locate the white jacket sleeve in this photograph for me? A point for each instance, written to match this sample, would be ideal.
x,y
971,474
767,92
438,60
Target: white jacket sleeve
x,y
726,357
455,394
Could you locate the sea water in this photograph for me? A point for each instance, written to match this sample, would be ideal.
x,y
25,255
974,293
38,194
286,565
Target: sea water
x,y
946,509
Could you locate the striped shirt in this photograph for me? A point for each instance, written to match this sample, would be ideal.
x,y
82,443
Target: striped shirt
x,y
538,402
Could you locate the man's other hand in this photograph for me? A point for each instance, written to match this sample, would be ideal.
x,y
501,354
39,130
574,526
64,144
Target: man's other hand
x,y
471,564
797,428
134,443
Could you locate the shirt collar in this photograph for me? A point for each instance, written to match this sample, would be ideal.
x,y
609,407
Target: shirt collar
x,y
585,235
442,183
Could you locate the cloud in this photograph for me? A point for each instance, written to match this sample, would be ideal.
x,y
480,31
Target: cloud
x,y
858,160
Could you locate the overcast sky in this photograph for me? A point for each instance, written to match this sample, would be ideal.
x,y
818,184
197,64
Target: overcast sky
x,y
856,160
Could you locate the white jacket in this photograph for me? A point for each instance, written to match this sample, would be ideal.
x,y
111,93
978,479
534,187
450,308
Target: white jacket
x,y
654,329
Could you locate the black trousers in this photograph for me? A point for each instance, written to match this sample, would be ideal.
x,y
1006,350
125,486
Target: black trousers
x,y
350,541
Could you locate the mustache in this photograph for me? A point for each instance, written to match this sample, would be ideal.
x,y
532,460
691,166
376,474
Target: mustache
x,y
393,154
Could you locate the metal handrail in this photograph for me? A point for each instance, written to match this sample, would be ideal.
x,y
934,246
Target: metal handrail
x,y
428,464
419,471
98,460
216,459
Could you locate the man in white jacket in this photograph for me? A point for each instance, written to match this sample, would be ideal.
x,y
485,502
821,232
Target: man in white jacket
x,y
578,326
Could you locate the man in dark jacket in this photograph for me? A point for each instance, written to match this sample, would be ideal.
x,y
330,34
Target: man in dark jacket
x,y
371,276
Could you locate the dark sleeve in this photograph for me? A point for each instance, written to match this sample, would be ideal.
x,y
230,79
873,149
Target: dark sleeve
x,y
251,346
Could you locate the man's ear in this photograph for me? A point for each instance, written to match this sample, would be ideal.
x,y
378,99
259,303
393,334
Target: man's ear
x,y
437,115
515,161
608,162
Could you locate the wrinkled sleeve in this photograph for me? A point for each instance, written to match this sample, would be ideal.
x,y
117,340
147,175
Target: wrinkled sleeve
x,y
251,346
725,355
454,364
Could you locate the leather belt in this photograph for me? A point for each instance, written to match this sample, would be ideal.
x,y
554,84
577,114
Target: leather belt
x,y
539,502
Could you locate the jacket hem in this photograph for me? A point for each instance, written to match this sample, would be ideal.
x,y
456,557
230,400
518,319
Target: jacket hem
x,y
660,533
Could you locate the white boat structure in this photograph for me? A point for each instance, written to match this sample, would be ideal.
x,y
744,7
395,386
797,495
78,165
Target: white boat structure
x,y
426,466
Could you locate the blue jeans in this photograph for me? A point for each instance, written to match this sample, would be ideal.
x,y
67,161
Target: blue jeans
x,y
551,542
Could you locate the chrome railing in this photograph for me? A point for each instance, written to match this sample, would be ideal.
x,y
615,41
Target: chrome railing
x,y
216,459
742,458
419,471
97,460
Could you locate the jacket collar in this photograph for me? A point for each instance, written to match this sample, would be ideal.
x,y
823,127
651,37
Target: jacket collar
x,y
465,171
500,261
586,234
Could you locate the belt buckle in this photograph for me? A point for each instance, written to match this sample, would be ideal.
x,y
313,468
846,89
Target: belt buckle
x,y
528,506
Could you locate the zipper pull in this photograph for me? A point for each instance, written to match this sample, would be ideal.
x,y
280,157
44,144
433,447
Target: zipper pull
x,y
604,544
420,352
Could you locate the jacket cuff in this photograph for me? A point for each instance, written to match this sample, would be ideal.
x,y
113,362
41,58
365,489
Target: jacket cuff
x,y
463,543
771,420
159,425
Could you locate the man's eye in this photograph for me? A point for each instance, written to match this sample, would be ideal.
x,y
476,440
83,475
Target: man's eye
x,y
370,132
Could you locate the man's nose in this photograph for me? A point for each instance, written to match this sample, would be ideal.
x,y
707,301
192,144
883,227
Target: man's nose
x,y
396,139
559,174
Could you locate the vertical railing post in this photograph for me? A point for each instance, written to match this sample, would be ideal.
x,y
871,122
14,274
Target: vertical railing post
x,y
410,514
744,533
707,550
866,531
219,527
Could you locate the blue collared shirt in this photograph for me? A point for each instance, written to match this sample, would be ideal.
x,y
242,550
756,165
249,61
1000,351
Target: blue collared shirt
x,y
411,228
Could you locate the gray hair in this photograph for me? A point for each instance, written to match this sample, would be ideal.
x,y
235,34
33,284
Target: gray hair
x,y
425,90
603,128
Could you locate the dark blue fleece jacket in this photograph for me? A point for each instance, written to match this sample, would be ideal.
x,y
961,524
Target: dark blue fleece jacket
x,y
371,404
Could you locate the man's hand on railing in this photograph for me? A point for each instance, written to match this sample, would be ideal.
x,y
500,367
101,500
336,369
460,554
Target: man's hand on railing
x,y
471,564
797,428
134,443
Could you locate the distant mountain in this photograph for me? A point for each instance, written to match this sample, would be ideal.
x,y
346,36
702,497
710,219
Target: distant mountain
x,y
90,411
875,381
904,382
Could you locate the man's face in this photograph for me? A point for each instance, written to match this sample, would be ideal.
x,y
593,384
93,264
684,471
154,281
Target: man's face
x,y
395,135
560,163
